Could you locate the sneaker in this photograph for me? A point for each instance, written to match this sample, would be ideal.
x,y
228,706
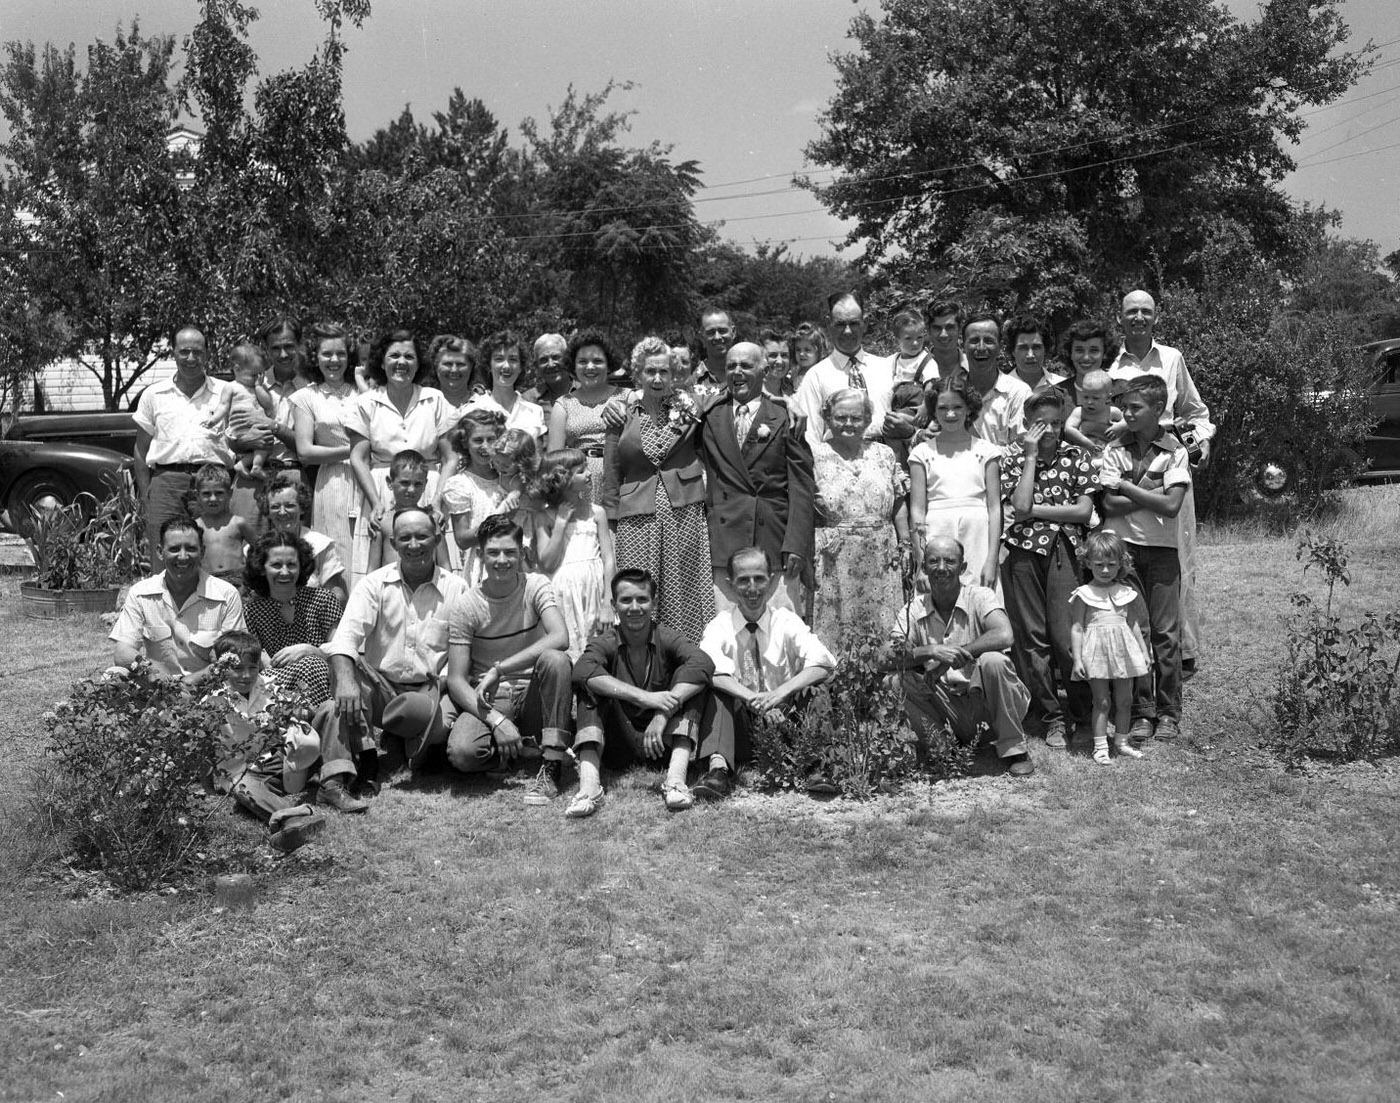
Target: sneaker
x,y
1055,735
1168,727
544,786
1141,731
677,797
714,784
333,794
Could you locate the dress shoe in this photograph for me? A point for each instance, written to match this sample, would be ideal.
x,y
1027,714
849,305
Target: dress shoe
x,y
1019,765
713,784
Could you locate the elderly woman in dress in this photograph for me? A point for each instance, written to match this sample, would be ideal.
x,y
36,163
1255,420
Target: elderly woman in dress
x,y
577,419
319,411
400,413
654,490
503,354
862,535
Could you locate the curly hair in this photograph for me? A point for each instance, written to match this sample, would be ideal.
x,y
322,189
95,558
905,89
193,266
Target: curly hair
x,y
814,335
317,334
279,482
844,393
482,417
1103,542
448,342
255,569
522,450
1086,329
374,367
644,350
556,472
591,338
969,396
505,339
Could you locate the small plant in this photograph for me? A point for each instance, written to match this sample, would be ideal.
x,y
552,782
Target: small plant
x,y
1335,692
89,544
854,732
129,758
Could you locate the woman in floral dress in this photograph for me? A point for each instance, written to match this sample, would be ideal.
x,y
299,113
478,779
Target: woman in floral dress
x,y
862,526
654,488
577,418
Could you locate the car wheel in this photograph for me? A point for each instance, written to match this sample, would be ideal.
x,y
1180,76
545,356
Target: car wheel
x,y
1273,477
38,490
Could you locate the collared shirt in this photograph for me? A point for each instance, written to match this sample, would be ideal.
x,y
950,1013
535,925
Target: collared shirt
x,y
786,646
752,407
401,632
1161,464
828,376
375,417
672,660
1002,419
175,422
920,625
1061,482
1183,399
168,636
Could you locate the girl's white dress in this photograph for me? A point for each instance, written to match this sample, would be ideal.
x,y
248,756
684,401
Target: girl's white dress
x,y
468,493
955,489
1111,648
579,582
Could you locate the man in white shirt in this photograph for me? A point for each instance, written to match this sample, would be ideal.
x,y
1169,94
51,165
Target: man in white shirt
x,y
172,440
944,341
389,654
849,365
765,659
1003,395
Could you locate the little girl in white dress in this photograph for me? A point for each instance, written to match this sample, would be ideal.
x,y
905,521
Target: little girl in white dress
x,y
1107,636
573,544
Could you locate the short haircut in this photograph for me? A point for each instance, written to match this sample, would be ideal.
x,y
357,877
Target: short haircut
x,y
978,316
189,327
275,325
450,342
1026,323
644,350
181,524
1153,389
317,334
844,393
1044,397
434,521
245,354
255,567
837,297
374,367
213,473
243,644
1097,380
956,384
748,553
909,317
286,480
592,338
943,307
496,526
710,309
480,417
637,577
408,461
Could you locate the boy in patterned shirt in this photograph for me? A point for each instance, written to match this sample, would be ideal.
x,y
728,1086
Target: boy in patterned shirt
x,y
1048,485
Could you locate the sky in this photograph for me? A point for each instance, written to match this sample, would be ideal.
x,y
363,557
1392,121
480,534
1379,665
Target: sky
x,y
737,85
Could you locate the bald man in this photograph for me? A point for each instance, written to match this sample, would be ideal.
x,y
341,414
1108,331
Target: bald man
x,y
760,489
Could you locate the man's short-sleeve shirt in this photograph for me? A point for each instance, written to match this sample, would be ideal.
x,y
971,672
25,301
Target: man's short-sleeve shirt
x,y
1061,482
168,636
1162,464
175,423
495,628
402,632
1003,411
919,625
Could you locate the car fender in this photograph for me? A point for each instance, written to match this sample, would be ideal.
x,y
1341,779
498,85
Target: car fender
x,y
86,465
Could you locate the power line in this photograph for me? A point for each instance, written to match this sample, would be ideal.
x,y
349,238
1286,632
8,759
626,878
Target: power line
x,y
1359,134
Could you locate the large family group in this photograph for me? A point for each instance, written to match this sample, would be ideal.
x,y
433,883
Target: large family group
x,y
632,560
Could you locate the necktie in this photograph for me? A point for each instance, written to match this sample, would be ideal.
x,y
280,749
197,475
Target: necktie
x,y
755,656
854,375
742,417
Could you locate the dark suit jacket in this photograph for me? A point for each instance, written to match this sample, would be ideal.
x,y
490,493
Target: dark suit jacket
x,y
760,495
629,477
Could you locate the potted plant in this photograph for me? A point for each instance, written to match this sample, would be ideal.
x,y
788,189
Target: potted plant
x,y
85,552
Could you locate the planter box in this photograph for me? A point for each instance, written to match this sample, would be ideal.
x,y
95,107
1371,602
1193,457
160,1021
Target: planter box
x,y
36,601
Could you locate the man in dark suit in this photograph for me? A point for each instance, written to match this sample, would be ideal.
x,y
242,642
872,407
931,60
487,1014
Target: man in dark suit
x,y
760,488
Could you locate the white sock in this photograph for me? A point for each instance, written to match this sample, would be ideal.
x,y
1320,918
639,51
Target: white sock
x,y
680,763
590,778
717,762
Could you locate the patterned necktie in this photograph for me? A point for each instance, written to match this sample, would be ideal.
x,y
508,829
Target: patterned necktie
x,y
755,656
742,416
854,375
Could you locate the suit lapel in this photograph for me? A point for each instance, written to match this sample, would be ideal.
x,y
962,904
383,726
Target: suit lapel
x,y
763,428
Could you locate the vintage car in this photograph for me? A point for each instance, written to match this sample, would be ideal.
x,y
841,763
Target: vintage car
x,y
47,458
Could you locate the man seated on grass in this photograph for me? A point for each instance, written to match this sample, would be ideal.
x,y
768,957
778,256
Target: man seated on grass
x,y
639,696
174,617
507,671
766,660
387,658
951,643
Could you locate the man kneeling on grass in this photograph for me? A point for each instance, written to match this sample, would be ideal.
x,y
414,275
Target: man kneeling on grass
x,y
951,644
507,673
640,689
766,661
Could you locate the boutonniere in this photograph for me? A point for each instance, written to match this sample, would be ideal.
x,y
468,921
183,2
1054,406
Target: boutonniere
x,y
681,411
763,432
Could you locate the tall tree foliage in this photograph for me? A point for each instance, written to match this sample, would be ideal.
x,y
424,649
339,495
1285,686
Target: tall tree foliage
x,y
1029,150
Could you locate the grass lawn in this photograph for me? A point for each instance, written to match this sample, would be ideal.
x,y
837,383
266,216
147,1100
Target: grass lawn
x,y
1195,926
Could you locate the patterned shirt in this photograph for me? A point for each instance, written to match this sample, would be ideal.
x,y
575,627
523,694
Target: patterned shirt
x,y
1061,482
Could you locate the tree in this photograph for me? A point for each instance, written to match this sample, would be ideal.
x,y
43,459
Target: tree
x,y
93,205
1032,150
1342,277
768,287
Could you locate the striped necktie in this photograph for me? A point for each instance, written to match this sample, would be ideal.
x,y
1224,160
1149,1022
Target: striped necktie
x,y
854,375
755,656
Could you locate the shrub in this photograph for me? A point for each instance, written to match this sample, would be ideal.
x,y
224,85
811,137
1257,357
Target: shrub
x,y
1335,692
129,756
854,731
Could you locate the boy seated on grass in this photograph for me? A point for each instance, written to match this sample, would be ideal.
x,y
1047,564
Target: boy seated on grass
x,y
267,782
407,479
225,532
1146,477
